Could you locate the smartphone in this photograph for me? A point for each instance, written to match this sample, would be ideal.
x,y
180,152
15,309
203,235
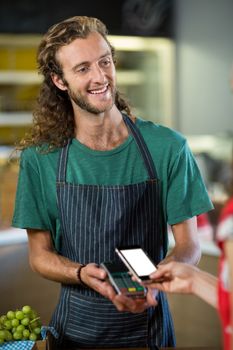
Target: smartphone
x,y
121,280
137,261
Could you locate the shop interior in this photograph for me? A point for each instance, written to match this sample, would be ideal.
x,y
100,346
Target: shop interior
x,y
172,80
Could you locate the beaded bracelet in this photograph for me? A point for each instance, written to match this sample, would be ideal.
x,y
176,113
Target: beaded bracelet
x,y
81,266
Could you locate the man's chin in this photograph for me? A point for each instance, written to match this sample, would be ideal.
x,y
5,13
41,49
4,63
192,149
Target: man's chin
x,y
92,106
100,109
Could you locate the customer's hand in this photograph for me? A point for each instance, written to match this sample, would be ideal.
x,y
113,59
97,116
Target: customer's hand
x,y
173,277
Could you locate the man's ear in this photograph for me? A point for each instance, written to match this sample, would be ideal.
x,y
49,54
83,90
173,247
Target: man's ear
x,y
58,82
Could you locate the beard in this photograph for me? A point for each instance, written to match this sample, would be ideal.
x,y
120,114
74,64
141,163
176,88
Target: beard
x,y
83,103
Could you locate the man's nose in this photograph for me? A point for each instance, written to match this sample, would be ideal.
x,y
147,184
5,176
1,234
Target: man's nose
x,y
98,74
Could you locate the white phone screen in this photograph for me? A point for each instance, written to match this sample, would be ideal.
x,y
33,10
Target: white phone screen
x,y
139,261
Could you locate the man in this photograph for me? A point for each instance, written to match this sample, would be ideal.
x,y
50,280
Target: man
x,y
93,177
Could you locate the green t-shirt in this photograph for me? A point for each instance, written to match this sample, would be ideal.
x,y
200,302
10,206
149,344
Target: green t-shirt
x,y
183,192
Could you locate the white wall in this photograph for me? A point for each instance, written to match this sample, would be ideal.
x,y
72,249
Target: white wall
x,y
204,37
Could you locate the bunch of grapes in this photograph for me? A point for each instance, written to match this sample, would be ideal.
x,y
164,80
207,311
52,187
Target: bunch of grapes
x,y
21,324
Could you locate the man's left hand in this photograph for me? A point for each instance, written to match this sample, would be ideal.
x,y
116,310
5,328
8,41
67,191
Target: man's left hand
x,y
124,303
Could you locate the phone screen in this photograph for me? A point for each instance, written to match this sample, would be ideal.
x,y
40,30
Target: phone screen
x,y
138,260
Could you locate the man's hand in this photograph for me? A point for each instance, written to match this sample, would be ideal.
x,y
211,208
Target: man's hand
x,y
95,278
124,303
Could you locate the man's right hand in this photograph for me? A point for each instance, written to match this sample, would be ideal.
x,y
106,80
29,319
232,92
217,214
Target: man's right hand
x,y
95,276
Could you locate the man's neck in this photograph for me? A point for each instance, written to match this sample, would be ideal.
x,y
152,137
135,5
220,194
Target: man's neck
x,y
101,132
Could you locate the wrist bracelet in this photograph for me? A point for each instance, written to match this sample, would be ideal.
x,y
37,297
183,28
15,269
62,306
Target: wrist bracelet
x,y
81,266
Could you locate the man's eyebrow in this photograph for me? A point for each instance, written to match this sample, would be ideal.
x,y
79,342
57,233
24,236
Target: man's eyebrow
x,y
108,53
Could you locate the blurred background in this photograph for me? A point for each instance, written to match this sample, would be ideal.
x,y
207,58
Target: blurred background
x,y
174,64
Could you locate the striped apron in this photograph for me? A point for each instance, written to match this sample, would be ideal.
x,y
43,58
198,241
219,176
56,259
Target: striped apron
x,y
95,219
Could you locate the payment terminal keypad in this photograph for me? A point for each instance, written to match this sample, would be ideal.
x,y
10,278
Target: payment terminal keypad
x,y
127,286
122,282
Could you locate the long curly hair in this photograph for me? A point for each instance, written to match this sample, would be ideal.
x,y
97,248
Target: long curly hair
x,y
53,118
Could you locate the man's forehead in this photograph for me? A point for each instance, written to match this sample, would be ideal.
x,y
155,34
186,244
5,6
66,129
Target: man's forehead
x,y
80,50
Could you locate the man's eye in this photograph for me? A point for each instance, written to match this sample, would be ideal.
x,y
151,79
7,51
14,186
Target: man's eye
x,y
106,62
83,70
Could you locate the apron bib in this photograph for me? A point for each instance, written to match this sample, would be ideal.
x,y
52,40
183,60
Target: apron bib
x,y
96,219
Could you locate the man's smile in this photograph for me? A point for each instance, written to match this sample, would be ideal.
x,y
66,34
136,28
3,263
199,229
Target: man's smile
x,y
99,91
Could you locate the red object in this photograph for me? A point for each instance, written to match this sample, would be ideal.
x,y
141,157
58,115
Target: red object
x,y
225,231
203,220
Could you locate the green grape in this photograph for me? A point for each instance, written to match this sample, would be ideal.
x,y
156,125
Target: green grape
x,y
26,309
33,336
19,315
20,324
33,314
10,315
15,322
20,328
2,319
34,323
7,324
37,330
26,333
25,321
2,334
17,335
8,335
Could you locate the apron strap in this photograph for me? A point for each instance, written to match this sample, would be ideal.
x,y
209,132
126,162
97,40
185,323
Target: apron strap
x,y
62,163
149,163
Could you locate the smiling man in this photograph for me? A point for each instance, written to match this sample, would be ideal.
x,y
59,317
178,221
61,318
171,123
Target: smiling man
x,y
93,177
89,74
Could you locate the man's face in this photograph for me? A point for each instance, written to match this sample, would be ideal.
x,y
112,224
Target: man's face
x,y
89,73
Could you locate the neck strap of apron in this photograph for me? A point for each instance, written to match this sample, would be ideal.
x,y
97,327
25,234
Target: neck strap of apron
x,y
149,163
62,163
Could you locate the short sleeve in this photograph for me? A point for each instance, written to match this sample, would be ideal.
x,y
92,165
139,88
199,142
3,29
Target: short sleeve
x,y
30,209
187,194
